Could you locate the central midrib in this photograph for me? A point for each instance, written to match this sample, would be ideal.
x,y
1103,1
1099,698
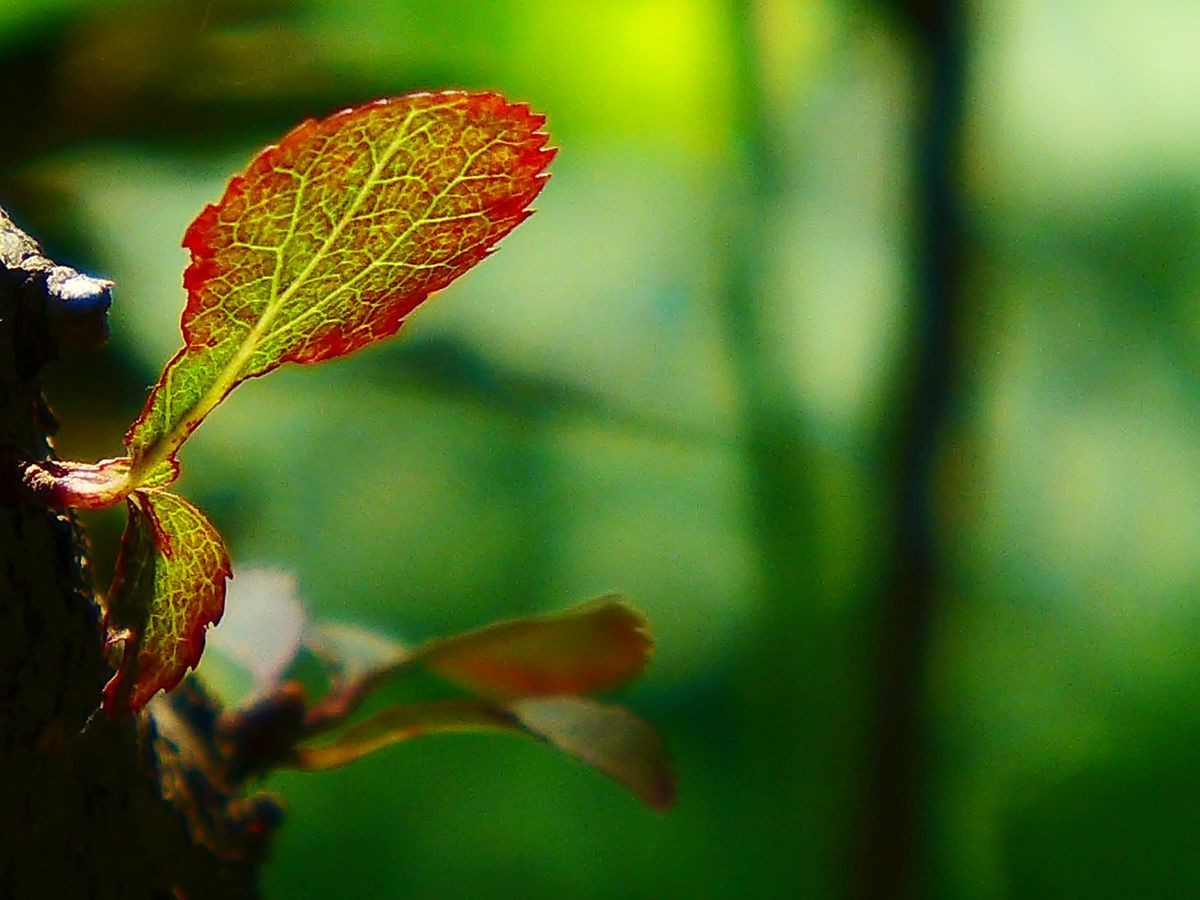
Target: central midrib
x,y
165,447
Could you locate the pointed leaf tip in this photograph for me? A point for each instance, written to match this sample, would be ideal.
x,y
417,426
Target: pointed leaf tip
x,y
608,738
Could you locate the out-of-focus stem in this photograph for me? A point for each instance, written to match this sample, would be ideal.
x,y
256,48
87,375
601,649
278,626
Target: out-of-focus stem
x,y
890,854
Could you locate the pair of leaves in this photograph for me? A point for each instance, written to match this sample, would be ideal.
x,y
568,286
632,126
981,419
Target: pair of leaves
x,y
525,677
323,245
607,738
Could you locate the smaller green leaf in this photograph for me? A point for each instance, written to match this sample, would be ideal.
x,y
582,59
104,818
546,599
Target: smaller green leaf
x,y
584,650
168,587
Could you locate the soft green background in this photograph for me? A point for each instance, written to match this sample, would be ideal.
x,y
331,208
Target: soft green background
x,y
565,421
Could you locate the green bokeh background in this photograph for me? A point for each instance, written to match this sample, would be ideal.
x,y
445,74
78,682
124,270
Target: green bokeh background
x,y
568,420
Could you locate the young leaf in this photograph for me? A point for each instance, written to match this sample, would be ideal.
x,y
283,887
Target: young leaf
x,y
607,738
169,586
530,668
332,237
590,648
400,723
584,650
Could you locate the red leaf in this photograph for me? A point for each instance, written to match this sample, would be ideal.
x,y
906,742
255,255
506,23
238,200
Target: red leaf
x,y
168,588
333,236
584,650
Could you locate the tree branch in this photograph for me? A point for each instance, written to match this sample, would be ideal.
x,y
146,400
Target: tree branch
x,y
91,807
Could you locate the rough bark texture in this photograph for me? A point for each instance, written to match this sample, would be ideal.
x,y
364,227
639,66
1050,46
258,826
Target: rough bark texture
x,y
89,807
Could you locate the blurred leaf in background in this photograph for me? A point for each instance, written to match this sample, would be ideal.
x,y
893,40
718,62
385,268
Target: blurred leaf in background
x,y
569,420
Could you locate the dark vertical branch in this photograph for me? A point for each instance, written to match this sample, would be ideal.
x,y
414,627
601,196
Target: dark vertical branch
x,y
89,806
891,854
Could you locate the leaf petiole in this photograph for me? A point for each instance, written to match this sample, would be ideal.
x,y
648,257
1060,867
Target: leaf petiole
x,y
79,485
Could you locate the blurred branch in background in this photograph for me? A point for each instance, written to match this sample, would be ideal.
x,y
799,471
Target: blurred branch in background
x,y
785,715
799,708
457,373
890,857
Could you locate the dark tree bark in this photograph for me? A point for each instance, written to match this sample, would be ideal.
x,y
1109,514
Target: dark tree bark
x,y
89,807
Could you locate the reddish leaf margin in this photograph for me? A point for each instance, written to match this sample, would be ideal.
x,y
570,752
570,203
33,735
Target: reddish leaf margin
x,y
169,586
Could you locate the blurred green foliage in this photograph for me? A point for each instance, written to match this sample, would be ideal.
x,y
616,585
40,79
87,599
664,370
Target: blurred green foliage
x,y
566,420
